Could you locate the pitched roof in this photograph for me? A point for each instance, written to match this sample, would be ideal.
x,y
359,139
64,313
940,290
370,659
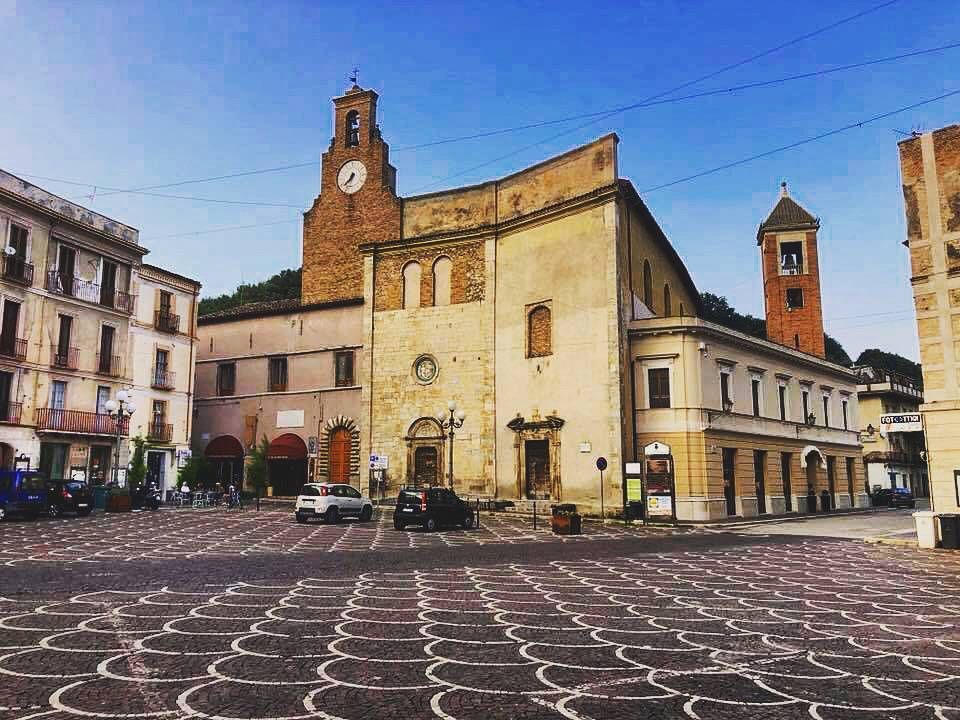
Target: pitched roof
x,y
266,308
787,214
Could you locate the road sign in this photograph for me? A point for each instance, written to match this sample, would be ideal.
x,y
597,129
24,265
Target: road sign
x,y
901,422
378,462
601,464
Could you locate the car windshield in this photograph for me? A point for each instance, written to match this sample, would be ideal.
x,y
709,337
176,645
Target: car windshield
x,y
33,483
76,486
310,490
902,491
409,496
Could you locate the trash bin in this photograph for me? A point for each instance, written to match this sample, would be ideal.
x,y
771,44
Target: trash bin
x,y
635,510
811,501
926,523
565,520
824,501
950,531
100,495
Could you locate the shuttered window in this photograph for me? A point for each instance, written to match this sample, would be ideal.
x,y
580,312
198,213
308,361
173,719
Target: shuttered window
x,y
658,380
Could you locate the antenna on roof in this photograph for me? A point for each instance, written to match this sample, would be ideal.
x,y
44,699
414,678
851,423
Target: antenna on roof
x,y
354,76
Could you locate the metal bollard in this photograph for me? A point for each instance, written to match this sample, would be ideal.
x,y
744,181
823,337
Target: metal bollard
x,y
478,512
534,512
258,499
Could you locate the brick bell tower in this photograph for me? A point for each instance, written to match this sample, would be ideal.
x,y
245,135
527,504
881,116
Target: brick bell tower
x,y
357,204
791,276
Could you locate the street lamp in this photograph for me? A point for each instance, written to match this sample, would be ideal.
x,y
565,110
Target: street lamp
x,y
119,409
450,418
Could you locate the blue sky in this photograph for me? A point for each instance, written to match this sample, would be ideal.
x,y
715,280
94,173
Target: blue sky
x,y
130,94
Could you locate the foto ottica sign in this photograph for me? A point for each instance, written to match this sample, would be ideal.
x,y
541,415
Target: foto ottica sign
x,y
901,422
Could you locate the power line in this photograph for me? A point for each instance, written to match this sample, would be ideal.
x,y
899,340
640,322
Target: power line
x,y
221,229
798,143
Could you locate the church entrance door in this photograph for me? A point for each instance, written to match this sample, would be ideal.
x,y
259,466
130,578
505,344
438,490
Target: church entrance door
x,y
425,467
537,453
341,447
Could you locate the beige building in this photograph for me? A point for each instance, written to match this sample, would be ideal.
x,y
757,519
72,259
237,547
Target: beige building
x,y
163,349
892,458
283,371
544,304
68,297
930,172
82,319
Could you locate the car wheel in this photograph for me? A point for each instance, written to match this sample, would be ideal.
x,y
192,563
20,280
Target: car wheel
x,y
333,515
301,518
366,513
468,521
3,512
399,525
53,512
430,525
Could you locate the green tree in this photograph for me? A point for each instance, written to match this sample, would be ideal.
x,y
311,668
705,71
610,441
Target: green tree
x,y
257,467
195,473
138,465
285,285
877,358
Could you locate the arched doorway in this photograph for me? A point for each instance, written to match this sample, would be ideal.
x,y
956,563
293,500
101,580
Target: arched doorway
x,y
225,454
425,453
341,448
812,460
287,464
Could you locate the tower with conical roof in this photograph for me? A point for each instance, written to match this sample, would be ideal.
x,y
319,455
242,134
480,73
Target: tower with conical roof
x,y
791,276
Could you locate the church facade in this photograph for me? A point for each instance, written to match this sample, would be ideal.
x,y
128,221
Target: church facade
x,y
538,303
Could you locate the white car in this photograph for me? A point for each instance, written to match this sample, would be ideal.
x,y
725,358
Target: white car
x,y
332,501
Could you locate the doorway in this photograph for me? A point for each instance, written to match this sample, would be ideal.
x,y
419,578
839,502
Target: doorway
x,y
832,481
759,478
537,453
785,474
99,463
729,480
340,450
155,468
425,466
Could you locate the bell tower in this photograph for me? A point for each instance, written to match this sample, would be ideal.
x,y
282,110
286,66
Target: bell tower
x,y
791,276
357,204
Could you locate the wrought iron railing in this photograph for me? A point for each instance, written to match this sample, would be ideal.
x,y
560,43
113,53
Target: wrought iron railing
x,y
166,322
13,347
17,270
161,432
162,379
78,421
67,358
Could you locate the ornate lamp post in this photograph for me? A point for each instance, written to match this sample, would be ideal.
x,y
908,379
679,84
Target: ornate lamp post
x,y
450,419
120,409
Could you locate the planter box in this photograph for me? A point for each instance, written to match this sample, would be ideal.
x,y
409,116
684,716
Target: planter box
x,y
118,503
566,524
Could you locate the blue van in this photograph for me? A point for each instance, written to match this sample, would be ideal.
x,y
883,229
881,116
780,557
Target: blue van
x,y
22,492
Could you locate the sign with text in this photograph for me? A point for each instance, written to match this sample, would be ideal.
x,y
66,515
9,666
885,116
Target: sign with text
x,y
901,422
378,462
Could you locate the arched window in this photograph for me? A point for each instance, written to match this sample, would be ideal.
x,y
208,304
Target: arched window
x,y
647,286
667,303
441,280
539,332
353,129
411,285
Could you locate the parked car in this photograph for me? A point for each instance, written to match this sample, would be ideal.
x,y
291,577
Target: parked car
x,y
431,508
22,492
894,497
332,501
68,496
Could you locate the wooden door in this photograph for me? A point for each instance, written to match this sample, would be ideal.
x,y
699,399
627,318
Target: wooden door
x,y
729,480
340,450
538,468
425,466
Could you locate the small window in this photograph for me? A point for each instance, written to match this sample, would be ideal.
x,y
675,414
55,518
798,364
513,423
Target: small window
x,y
843,406
796,341
310,491
647,286
794,298
539,332
353,128
755,394
826,411
277,374
805,395
782,392
667,302
411,285
658,380
344,368
441,280
226,378
726,398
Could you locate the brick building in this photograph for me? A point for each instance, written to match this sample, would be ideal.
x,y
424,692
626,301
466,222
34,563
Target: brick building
x,y
535,302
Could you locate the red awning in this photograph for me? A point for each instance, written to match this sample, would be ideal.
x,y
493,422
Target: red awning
x,y
287,447
224,446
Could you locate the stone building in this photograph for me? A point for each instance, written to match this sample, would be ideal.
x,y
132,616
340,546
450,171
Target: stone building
x,y
930,172
544,304
893,458
71,332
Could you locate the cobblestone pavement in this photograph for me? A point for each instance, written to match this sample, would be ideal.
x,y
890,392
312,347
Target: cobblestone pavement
x,y
803,629
190,534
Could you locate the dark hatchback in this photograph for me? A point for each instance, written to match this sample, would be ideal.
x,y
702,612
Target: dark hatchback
x,y
68,496
894,497
22,492
431,508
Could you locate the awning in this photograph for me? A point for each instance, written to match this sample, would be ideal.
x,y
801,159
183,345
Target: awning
x,y
287,447
224,446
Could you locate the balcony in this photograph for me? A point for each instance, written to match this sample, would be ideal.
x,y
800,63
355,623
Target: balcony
x,y
166,322
13,347
67,358
77,421
109,365
162,379
10,412
277,386
88,291
17,270
160,432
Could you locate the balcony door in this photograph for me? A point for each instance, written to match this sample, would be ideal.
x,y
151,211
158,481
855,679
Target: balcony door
x,y
8,330
58,395
108,283
66,269
6,390
160,371
63,340
106,350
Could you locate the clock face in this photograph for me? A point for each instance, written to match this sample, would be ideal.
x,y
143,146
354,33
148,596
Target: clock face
x,y
425,369
351,176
